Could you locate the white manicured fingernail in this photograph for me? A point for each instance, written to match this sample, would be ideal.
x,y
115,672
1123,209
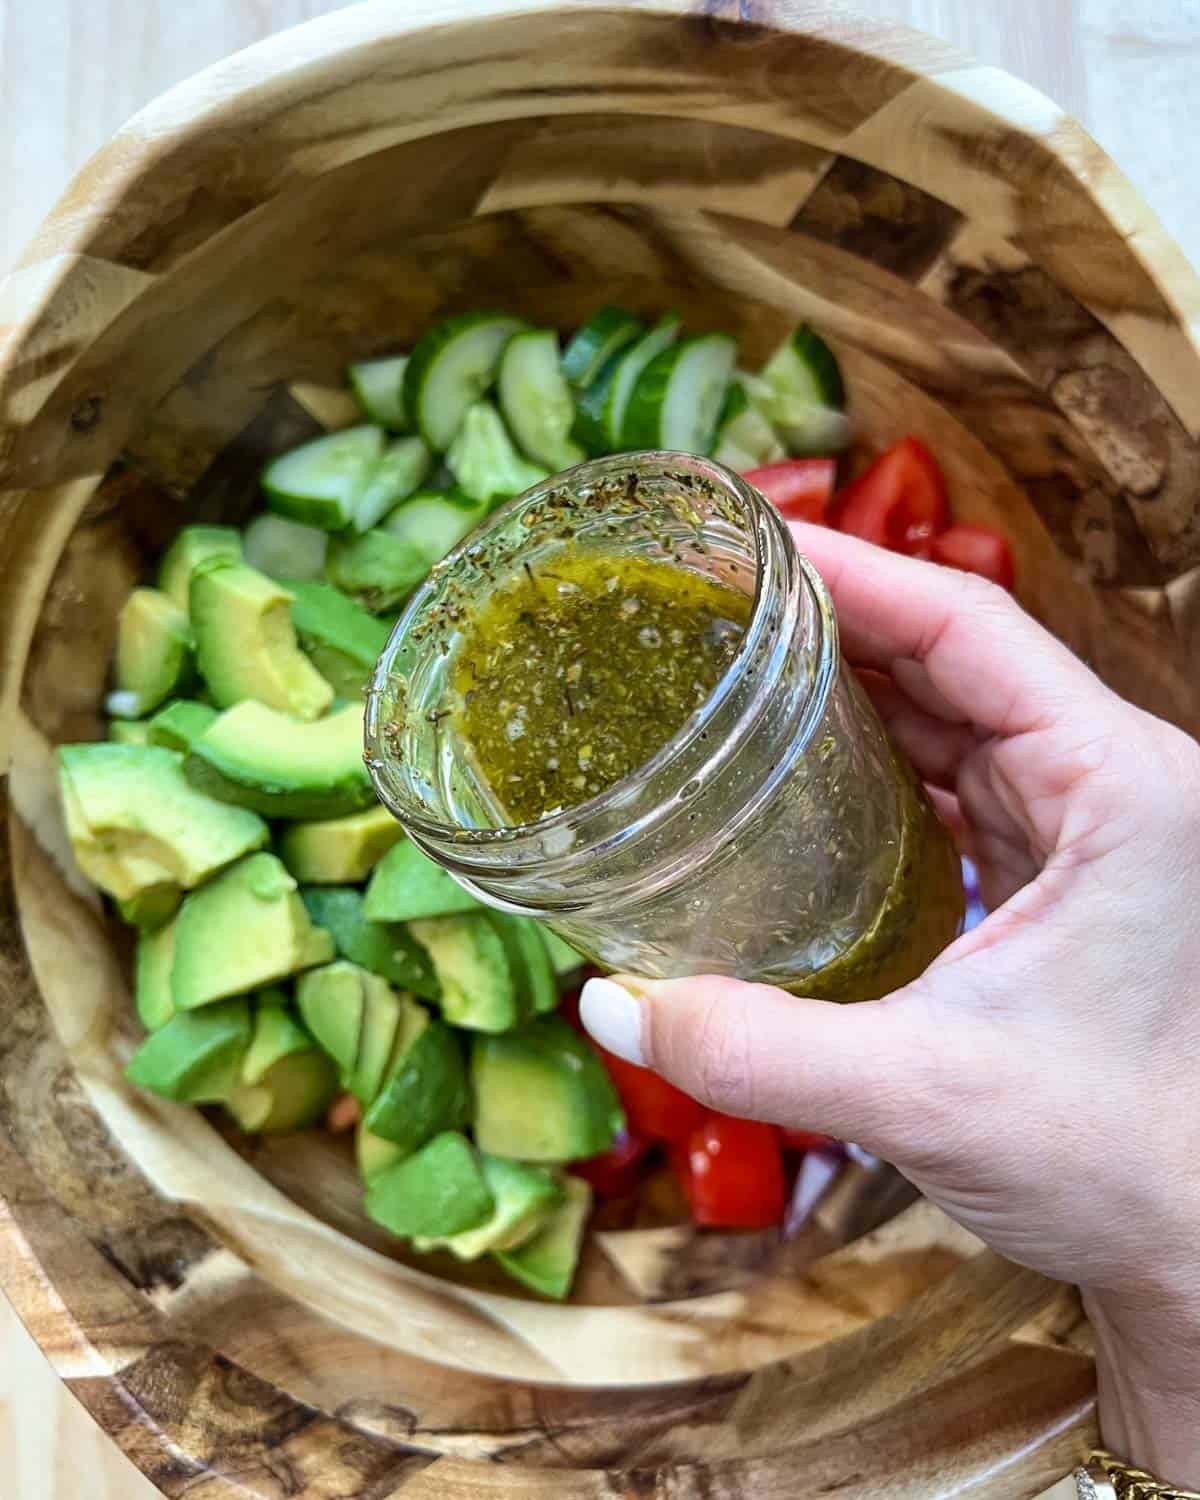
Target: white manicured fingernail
x,y
614,1018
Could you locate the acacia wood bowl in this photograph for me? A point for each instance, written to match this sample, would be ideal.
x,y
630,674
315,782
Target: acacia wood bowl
x,y
991,283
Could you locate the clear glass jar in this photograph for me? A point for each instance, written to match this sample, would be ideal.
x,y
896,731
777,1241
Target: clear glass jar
x,y
778,836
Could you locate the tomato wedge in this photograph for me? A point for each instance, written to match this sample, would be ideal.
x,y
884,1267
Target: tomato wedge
x,y
732,1173
653,1107
615,1173
899,502
799,488
976,549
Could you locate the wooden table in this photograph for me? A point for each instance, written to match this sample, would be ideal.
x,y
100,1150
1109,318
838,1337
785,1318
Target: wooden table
x,y
72,70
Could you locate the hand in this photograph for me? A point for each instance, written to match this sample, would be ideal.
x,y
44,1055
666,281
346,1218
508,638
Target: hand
x,y
1038,1082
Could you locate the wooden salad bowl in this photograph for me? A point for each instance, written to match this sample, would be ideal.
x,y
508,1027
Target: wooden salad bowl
x,y
991,283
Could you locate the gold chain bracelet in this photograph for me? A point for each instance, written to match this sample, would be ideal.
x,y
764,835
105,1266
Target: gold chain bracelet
x,y
1107,1478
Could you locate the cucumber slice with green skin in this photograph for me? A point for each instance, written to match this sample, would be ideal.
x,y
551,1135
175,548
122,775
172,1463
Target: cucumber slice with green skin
x,y
589,411
284,549
436,523
806,430
679,395
451,368
806,367
745,438
485,461
321,483
604,334
629,371
377,569
404,466
378,386
536,399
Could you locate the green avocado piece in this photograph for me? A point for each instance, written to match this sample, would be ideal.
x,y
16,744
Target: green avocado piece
x,y
481,987
152,907
537,987
385,948
525,1199
256,757
383,1016
373,1153
546,1263
152,977
425,1092
440,1191
246,644
178,725
339,851
277,1034
343,640
542,1095
484,459
190,548
563,957
154,656
408,885
377,568
135,822
332,1002
244,929
286,1082
129,732
194,1058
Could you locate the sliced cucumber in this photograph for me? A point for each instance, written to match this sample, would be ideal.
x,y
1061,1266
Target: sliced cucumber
x,y
629,372
589,413
378,386
679,395
435,524
604,334
321,483
405,465
285,549
806,367
451,368
745,438
484,460
536,399
805,429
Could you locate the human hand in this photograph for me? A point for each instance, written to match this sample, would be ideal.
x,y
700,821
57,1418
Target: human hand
x,y
1037,1082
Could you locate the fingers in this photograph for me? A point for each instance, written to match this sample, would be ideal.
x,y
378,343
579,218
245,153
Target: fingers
x,y
984,658
857,1072
936,748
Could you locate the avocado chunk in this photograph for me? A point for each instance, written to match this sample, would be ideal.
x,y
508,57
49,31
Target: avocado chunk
x,y
546,1263
537,988
542,1095
343,640
286,1082
189,549
152,977
256,757
154,653
563,958
373,1153
384,948
178,725
135,822
409,885
391,1024
246,644
525,1198
426,1090
377,568
129,732
151,908
331,1003
339,851
196,1057
480,980
244,929
438,1192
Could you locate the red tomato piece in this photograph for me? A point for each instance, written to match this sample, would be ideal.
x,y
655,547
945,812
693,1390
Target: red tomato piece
x,y
805,1140
616,1172
976,549
899,502
653,1107
798,488
732,1173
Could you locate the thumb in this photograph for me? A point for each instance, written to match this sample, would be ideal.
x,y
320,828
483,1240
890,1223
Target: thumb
x,y
867,1072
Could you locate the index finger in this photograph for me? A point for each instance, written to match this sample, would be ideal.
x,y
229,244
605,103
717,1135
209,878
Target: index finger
x,y
989,659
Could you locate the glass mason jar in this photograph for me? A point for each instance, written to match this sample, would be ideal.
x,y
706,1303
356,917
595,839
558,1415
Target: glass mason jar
x,y
777,836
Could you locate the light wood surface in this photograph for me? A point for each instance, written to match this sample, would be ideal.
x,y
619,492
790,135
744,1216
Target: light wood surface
x,y
1125,69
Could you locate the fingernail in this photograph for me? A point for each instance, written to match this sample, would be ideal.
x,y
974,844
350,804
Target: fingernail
x,y
614,1018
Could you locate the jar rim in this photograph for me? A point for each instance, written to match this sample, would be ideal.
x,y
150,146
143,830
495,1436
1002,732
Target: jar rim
x,y
776,560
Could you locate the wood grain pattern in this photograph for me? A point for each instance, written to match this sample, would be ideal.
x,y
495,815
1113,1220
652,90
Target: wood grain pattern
x,y
991,282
